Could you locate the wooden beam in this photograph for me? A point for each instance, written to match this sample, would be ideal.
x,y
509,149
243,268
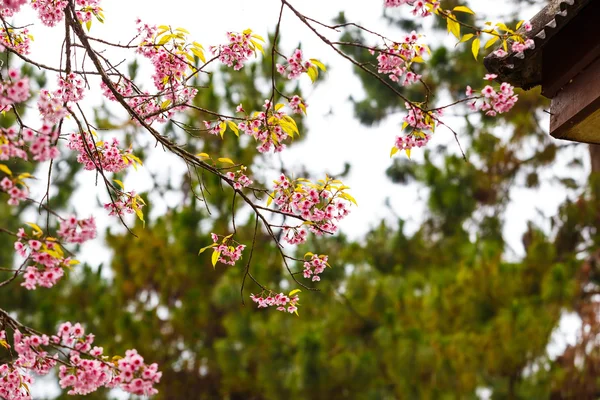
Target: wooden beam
x,y
571,50
575,110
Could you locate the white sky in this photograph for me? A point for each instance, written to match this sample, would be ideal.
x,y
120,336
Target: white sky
x,y
333,138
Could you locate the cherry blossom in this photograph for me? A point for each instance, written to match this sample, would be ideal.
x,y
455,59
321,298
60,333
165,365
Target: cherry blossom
x,y
396,60
321,205
315,266
282,302
239,49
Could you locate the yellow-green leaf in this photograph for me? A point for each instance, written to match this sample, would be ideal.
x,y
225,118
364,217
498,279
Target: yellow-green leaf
x,y
293,292
313,73
490,42
520,23
215,257
233,127
393,151
407,153
475,47
118,182
199,53
453,26
270,199
207,247
204,155
5,169
35,227
466,37
318,64
24,175
225,160
464,9
222,128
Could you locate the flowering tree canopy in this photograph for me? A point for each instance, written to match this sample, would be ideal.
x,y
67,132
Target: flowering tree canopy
x,y
290,211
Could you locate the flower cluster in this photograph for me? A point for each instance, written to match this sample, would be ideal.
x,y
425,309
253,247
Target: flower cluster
x,y
32,354
105,155
167,51
14,382
419,119
315,266
416,139
423,8
42,146
283,303
50,12
70,88
226,252
239,178
16,188
123,87
12,5
270,127
493,100
295,65
52,104
73,230
84,369
18,40
46,254
396,60
136,377
240,47
297,105
14,90
11,144
320,205
519,47
126,203
87,9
